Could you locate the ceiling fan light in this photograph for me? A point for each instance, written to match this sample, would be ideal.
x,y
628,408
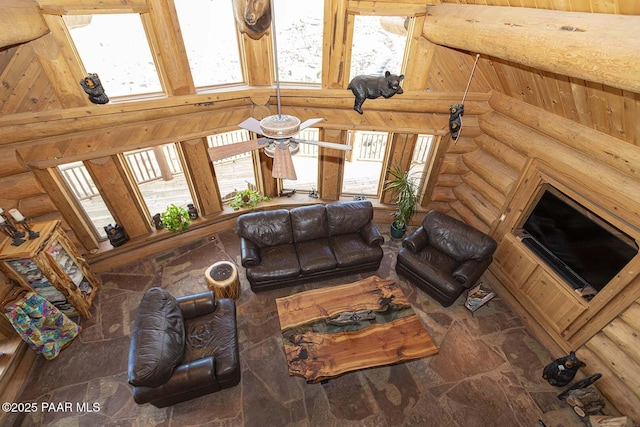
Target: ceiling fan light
x,y
270,148
280,126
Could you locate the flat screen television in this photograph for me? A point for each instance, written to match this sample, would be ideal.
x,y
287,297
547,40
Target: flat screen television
x,y
581,247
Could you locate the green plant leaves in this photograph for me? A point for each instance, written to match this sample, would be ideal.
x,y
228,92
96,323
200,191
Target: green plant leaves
x,y
176,219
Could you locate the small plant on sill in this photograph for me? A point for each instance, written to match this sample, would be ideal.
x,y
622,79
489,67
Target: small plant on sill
x,y
247,199
176,219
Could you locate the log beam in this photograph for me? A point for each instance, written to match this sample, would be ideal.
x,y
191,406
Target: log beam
x,y
21,21
590,46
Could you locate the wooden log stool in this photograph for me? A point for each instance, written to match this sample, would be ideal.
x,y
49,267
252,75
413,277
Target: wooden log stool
x,y
222,278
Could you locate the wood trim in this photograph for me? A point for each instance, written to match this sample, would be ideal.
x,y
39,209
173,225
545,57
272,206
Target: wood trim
x,y
202,176
120,195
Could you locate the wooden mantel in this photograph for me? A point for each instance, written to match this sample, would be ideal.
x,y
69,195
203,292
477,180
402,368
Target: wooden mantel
x,y
596,47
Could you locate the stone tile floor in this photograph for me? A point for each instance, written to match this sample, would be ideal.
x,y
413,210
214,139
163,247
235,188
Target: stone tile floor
x,y
487,373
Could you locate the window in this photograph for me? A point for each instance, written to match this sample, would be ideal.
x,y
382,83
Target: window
x,y
81,185
363,167
210,38
115,47
299,39
305,162
378,45
234,173
160,177
421,161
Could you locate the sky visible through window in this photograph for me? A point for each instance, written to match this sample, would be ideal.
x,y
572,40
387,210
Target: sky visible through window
x,y
209,34
378,45
115,47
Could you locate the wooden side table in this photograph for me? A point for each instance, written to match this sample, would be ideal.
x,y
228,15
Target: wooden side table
x,y
222,278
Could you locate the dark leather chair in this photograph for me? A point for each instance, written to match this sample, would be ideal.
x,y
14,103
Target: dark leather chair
x,y
444,257
182,348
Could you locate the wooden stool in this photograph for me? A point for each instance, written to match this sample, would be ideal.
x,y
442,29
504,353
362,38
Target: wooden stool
x,y
222,279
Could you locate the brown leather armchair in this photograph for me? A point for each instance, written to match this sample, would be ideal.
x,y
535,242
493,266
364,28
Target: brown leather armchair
x,y
444,257
182,348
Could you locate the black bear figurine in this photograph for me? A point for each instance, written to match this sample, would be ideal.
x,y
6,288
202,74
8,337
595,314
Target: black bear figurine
x,y
561,371
93,87
372,86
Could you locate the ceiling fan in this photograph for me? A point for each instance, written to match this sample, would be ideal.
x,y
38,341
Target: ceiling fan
x,y
278,133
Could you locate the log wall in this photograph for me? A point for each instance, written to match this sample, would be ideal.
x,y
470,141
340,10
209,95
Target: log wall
x,y
518,134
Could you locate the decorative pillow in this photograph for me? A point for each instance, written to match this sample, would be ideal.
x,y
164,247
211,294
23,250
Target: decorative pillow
x,y
157,340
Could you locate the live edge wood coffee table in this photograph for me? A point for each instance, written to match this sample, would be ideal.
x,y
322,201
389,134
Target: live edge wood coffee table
x,y
339,329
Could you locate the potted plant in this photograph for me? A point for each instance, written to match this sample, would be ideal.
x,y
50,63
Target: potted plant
x,y
176,219
405,190
247,199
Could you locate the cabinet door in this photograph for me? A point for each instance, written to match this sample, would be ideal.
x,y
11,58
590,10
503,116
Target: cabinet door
x,y
515,263
29,272
553,300
69,265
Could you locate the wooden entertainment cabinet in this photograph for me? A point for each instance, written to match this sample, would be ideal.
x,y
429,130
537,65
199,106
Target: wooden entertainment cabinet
x,y
545,301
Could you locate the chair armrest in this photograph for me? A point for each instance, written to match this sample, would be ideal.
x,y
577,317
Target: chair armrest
x,y
190,376
469,272
371,235
417,240
249,253
197,304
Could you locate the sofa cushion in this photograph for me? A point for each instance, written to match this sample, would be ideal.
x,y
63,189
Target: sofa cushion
x,y
457,239
269,228
157,340
350,250
215,334
309,222
278,262
315,255
348,217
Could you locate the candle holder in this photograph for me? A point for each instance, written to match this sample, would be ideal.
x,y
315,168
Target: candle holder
x,y
8,229
25,226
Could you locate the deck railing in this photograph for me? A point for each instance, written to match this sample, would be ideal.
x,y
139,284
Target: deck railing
x,y
155,163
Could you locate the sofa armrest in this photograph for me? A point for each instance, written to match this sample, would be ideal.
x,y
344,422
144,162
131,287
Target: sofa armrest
x,y
371,235
200,373
469,272
197,305
417,240
249,253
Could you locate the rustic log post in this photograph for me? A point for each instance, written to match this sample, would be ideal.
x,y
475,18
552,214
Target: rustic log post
x,y
21,21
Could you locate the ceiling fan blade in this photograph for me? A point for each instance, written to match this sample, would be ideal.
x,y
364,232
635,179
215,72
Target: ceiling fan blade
x,y
283,164
309,123
252,125
333,145
224,151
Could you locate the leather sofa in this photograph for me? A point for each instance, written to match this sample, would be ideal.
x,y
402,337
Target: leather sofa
x,y
281,248
444,257
182,348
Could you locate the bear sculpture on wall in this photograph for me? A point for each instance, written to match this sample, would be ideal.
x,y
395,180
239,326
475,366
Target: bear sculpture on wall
x,y
253,17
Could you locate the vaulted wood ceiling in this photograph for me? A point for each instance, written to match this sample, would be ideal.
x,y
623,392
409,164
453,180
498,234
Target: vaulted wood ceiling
x,y
27,87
